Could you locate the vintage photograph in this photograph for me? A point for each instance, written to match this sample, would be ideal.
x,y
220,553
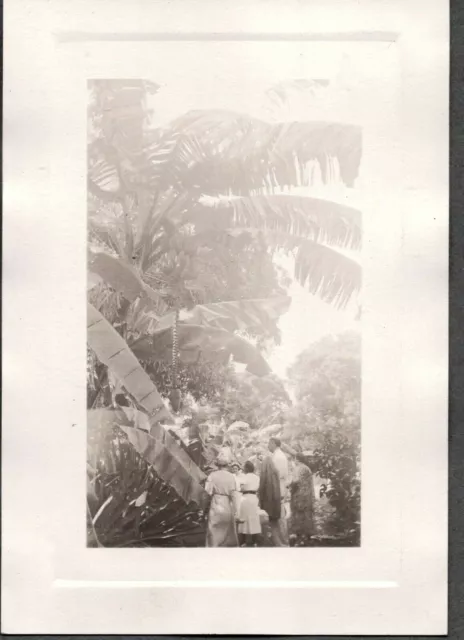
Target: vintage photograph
x,y
226,318
224,311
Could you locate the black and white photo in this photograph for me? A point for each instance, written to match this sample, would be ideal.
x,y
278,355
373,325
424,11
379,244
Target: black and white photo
x,y
224,314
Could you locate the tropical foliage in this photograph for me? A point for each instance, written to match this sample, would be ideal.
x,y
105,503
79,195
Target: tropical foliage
x,y
327,421
183,225
129,504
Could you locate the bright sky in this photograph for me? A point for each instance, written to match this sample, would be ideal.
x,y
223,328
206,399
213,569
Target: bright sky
x,y
308,320
235,76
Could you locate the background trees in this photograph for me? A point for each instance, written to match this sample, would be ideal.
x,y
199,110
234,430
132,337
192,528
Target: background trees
x,y
327,422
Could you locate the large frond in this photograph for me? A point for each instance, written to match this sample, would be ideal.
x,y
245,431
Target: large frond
x,y
122,277
312,218
239,315
103,180
112,350
181,473
306,227
158,447
199,343
227,152
330,275
232,315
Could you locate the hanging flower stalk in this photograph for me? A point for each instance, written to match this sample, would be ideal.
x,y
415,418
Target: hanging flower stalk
x,y
175,396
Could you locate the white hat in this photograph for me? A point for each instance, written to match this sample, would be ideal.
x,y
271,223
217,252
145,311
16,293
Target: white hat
x,y
223,458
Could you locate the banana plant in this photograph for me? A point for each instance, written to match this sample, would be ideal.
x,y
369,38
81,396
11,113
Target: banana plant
x,y
247,165
130,503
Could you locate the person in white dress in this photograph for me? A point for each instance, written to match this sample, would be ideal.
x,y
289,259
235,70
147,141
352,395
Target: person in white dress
x,y
249,527
223,506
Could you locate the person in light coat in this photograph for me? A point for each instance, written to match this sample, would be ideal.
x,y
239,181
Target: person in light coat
x,y
279,527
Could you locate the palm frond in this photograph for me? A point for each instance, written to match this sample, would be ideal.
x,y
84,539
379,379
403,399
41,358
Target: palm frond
x,y
324,271
195,343
327,273
164,453
122,277
159,448
238,315
330,275
112,350
231,315
103,180
227,152
312,218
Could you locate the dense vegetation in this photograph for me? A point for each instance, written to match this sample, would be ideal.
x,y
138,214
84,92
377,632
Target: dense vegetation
x,y
327,380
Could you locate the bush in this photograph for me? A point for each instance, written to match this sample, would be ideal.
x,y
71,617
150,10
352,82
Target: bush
x,y
337,461
327,377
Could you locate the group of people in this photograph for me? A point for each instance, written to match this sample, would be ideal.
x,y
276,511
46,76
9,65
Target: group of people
x,y
240,503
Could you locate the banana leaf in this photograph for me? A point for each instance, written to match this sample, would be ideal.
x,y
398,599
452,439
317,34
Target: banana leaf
x,y
324,270
92,538
330,275
311,218
159,448
181,473
228,152
238,314
112,350
197,343
233,315
121,276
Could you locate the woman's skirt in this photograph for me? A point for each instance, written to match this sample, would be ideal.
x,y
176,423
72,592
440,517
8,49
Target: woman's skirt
x,y
221,531
249,515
